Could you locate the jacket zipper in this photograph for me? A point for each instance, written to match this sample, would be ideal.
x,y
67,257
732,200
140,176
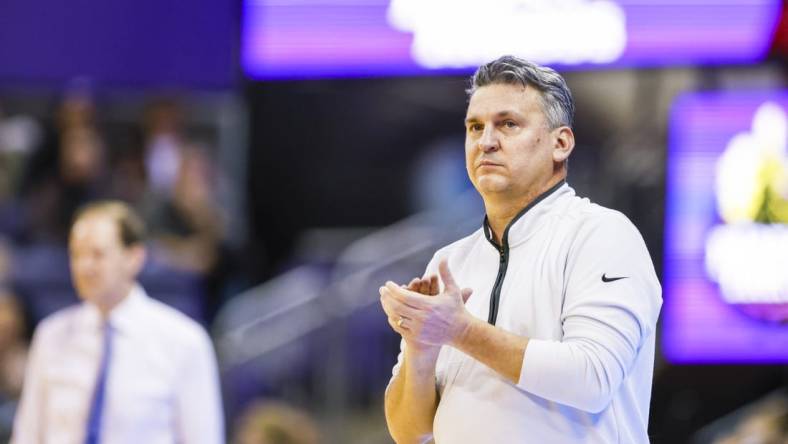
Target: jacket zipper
x,y
495,297
503,251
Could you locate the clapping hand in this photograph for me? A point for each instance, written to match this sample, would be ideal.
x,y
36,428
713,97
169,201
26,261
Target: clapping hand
x,y
421,314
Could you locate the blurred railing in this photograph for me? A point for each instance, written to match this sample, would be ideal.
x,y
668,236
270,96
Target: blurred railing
x,y
315,335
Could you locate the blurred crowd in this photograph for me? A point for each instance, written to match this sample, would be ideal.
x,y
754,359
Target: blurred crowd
x,y
51,168
51,165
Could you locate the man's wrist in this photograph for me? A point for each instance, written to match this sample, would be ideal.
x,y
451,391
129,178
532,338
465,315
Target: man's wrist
x,y
464,331
422,356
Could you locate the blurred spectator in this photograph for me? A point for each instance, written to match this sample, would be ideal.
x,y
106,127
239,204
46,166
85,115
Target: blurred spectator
x,y
76,110
180,206
20,136
187,226
766,422
81,156
68,171
13,356
164,142
80,175
274,422
128,180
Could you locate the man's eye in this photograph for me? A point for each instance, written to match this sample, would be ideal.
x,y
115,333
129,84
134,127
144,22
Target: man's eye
x,y
475,127
510,124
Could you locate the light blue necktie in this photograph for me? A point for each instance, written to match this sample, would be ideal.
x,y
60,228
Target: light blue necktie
x,y
94,420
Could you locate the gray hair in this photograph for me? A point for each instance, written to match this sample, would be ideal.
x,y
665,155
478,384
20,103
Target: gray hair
x,y
557,102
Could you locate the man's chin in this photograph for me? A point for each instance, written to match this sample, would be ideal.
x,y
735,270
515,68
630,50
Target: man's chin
x,y
88,296
492,187
495,192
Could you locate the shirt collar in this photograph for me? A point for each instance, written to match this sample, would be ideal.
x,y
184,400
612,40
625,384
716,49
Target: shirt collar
x,y
525,223
122,318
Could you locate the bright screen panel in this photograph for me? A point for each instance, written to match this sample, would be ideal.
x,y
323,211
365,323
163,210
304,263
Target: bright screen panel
x,y
334,38
726,229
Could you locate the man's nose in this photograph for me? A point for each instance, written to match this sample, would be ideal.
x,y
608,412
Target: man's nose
x,y
489,140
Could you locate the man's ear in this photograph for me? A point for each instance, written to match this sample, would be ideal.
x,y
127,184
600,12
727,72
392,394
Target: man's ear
x,y
563,144
137,255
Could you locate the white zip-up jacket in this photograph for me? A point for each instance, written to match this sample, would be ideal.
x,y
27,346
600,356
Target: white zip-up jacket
x,y
577,280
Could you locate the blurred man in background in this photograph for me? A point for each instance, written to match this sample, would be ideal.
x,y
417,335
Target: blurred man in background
x,y
13,357
120,367
556,344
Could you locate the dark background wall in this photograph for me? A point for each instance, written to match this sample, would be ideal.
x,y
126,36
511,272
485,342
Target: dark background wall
x,y
126,43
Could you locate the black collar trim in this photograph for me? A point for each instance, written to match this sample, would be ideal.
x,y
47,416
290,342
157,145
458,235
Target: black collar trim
x,y
486,223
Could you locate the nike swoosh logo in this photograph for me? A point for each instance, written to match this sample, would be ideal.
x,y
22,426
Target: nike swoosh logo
x,y
611,279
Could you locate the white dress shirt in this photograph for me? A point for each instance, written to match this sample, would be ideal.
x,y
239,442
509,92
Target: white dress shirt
x,y
162,385
586,375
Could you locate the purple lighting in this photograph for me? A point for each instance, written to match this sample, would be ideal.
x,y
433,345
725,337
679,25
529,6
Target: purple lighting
x,y
700,323
311,38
